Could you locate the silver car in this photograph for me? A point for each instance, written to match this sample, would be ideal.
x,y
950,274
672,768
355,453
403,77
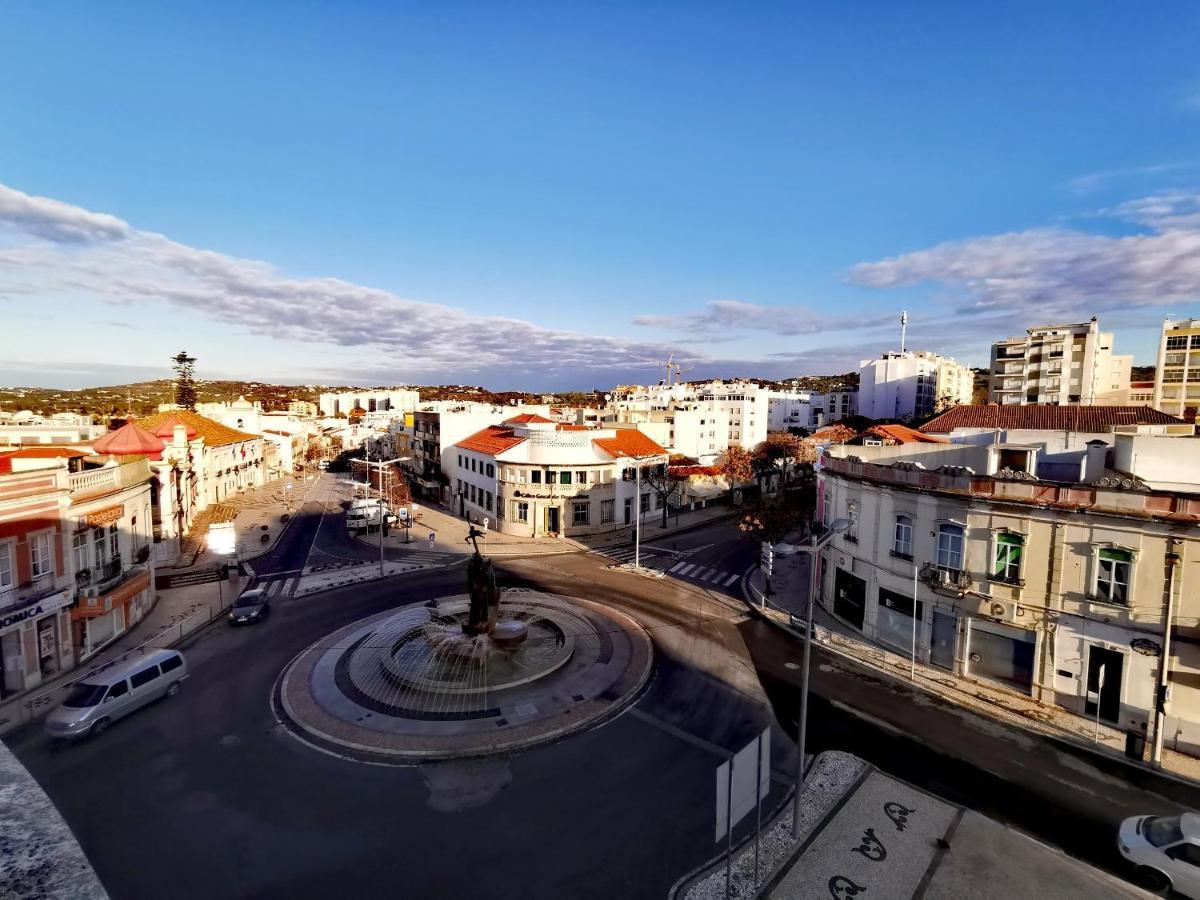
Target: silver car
x,y
99,699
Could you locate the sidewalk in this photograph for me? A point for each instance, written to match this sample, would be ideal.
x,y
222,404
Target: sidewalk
x,y
790,584
450,534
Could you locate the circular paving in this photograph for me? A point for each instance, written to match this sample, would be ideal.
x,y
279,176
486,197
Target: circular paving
x,y
406,684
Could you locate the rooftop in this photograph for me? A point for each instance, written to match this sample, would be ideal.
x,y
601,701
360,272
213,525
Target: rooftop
x,y
629,442
491,440
1046,416
214,433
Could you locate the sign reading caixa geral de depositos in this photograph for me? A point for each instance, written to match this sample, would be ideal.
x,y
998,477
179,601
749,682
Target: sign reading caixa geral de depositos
x,y
13,620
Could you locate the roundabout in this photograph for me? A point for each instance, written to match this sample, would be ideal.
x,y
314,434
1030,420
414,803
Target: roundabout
x,y
435,681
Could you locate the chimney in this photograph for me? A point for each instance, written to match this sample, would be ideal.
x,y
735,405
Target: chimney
x,y
179,436
1095,462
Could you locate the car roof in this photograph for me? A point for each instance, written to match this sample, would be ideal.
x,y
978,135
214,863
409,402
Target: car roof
x,y
256,592
122,670
1189,824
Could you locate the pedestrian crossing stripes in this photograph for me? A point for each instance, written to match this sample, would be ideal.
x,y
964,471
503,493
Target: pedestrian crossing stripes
x,y
623,554
704,574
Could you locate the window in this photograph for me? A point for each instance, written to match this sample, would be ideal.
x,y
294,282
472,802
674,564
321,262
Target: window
x,y
1196,341
1177,343
549,476
499,506
520,511
950,547
1188,853
137,679
99,557
79,549
474,465
171,663
902,541
491,470
488,501
851,533
564,477
1112,575
579,513
1006,566
114,541
645,507
6,566
120,689
607,510
536,476
581,477
472,493
39,555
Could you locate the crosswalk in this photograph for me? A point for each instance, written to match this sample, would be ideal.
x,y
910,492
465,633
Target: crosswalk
x,y
283,585
623,554
709,575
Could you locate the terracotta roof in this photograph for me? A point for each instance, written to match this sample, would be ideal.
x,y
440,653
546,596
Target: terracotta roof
x,y
214,433
130,439
44,453
629,442
1047,417
902,434
573,428
492,440
527,419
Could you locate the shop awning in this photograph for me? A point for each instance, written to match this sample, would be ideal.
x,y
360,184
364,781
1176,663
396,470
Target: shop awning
x,y
704,491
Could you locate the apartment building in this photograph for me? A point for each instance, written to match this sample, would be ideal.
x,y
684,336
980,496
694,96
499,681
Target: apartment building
x,y
535,477
1061,364
911,384
1058,566
397,400
1177,374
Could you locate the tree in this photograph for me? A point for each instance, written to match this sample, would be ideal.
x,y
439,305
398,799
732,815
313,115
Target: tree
x,y
780,447
665,484
771,517
185,383
736,464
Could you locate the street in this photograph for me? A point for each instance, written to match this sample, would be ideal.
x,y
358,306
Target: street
x,y
622,810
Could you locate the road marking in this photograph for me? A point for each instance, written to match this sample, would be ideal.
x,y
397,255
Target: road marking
x,y
730,580
687,569
708,576
676,567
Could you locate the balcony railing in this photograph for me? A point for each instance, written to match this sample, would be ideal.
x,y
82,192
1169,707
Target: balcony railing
x,y
109,478
101,578
30,592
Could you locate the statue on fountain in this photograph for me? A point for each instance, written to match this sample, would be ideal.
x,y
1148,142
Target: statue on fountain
x,y
481,586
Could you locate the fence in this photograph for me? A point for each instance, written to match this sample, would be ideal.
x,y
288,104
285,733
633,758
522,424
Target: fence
x,y
23,710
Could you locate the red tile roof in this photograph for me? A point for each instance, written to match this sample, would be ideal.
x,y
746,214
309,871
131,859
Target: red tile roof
x,y
628,442
491,441
43,453
902,434
1047,417
563,427
527,419
214,433
130,439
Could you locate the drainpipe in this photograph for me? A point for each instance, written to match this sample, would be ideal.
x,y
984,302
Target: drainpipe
x,y
1052,585
1164,661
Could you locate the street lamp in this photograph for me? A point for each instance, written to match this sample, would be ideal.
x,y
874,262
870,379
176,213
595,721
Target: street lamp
x,y
838,526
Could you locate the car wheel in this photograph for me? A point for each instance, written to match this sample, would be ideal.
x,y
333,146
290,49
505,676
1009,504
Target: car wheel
x,y
100,727
173,689
1151,879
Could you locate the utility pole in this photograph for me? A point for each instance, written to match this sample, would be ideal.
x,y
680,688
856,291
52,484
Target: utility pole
x,y
1162,684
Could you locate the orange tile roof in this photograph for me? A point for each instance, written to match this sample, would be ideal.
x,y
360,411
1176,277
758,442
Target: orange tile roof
x,y
43,453
527,419
565,427
902,434
214,433
629,442
1047,417
491,441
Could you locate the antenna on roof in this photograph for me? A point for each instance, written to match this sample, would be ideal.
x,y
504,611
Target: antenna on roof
x,y
903,327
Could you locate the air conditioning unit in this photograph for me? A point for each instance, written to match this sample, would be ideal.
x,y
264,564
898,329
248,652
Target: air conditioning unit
x,y
1004,610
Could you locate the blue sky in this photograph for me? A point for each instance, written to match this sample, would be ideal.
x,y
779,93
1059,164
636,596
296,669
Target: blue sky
x,y
557,195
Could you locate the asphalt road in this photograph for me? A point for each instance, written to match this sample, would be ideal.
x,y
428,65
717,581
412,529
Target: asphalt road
x,y
206,795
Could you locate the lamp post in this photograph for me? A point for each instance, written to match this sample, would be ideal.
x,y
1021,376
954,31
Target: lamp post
x,y
838,526
637,525
380,507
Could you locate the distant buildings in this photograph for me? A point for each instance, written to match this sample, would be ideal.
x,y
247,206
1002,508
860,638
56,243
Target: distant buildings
x,y
397,400
1063,364
1177,374
1047,548
911,384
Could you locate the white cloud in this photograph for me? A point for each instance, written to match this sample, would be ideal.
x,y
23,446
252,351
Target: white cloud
x,y
1095,180
55,221
1062,272
721,317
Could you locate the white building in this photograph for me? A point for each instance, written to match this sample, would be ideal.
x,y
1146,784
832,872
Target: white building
x,y
911,384
1063,364
47,431
809,409
1041,558
535,477
397,400
1177,374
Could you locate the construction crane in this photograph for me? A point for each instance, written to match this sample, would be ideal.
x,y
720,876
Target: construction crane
x,y
670,367
680,371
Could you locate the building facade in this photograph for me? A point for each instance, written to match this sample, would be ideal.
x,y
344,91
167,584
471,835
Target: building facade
x,y
911,384
534,477
1061,364
1177,374
1059,588
397,400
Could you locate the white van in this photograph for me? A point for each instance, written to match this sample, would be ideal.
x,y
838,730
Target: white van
x,y
99,699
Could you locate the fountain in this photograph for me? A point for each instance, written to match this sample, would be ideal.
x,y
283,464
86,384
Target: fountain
x,y
465,675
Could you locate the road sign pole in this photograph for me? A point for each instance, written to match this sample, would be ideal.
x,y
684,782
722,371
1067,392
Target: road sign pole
x,y
757,805
729,829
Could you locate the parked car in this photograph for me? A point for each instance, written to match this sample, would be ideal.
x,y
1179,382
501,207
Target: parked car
x,y
250,607
1166,851
99,699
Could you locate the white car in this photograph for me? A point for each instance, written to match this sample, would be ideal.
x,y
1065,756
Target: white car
x,y
1166,851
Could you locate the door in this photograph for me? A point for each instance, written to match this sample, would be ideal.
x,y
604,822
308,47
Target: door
x,y
849,597
1002,653
628,511
1113,663
116,701
552,519
941,649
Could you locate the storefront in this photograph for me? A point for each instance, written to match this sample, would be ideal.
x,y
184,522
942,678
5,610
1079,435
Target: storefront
x,y
1001,653
101,618
34,643
894,620
849,598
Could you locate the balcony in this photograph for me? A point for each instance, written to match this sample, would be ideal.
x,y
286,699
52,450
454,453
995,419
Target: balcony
x,y
109,479
102,578
944,577
102,597
31,592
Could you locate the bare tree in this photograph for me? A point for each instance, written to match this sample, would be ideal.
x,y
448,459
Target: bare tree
x,y
665,484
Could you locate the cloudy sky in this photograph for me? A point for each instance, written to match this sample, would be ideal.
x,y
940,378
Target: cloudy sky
x,y
561,195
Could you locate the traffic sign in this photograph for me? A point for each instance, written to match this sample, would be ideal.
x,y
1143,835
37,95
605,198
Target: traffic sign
x,y
432,538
